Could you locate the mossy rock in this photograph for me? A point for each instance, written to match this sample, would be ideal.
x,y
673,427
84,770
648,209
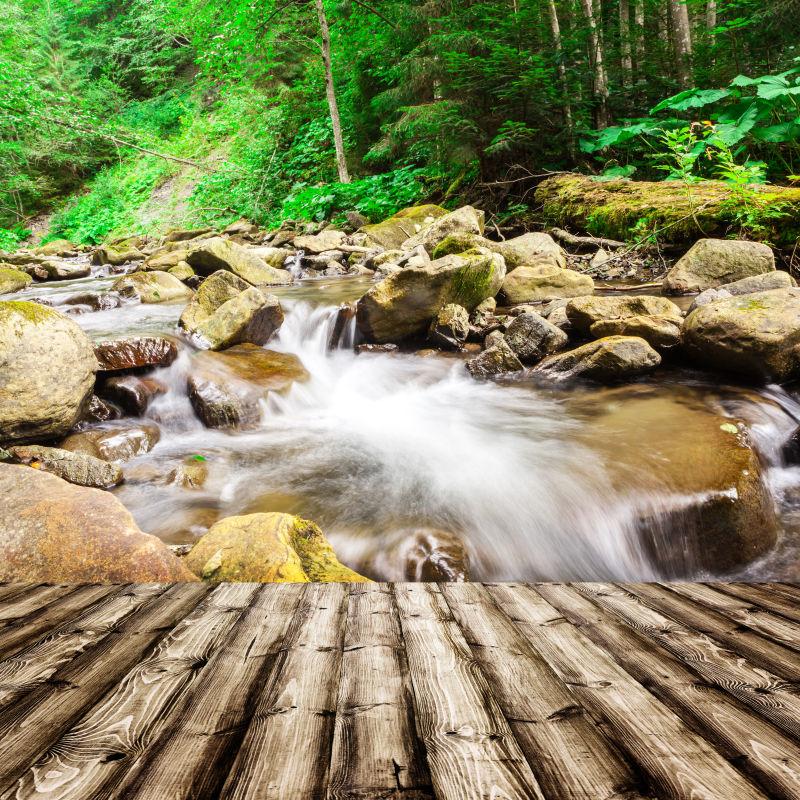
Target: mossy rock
x,y
13,280
392,232
267,548
152,287
675,211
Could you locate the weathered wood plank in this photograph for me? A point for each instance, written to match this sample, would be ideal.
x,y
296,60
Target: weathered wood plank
x,y
759,650
31,726
767,755
34,664
375,753
566,750
678,763
286,751
9,590
193,756
763,691
84,762
470,748
30,601
763,597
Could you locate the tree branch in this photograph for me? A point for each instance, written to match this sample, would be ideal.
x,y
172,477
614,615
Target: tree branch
x,y
376,13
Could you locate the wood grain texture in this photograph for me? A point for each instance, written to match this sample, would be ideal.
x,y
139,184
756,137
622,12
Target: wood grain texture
x,y
763,597
286,751
470,747
30,601
769,757
679,763
376,754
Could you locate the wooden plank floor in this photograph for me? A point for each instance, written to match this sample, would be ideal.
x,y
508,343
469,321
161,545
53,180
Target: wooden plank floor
x,y
403,691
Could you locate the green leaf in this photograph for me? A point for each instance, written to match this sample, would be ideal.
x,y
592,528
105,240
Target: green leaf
x,y
692,98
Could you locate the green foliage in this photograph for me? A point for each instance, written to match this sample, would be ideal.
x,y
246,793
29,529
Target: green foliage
x,y
10,239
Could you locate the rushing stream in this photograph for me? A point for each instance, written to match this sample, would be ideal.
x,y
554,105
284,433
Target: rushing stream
x,y
539,483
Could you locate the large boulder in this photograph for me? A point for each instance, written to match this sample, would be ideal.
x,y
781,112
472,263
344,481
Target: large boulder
x,y
329,239
227,311
52,531
12,280
267,548
583,312
78,468
60,248
47,369
226,389
165,258
222,254
57,270
610,359
532,337
530,284
117,256
152,287
662,333
119,442
121,355
714,262
756,335
465,220
403,304
532,250
393,232
757,283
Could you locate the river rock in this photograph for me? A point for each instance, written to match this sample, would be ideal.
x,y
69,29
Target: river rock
x,y
609,359
532,337
583,312
532,250
132,393
152,287
222,254
499,359
60,248
92,301
120,355
226,389
329,239
450,327
528,284
116,256
12,280
77,468
114,443
183,272
404,304
165,258
179,235
661,333
272,256
393,232
422,554
757,283
47,374
756,335
714,262
98,410
465,220
267,548
52,531
63,270
227,311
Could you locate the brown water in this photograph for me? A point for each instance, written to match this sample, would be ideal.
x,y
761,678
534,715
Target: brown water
x,y
539,483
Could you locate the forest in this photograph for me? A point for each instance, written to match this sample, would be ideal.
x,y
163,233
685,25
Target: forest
x,y
118,116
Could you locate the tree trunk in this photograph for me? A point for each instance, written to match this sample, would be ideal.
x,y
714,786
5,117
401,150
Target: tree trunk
x,y
638,21
682,39
600,84
330,90
625,42
562,77
711,14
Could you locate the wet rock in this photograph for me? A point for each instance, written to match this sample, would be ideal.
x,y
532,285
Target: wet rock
x,y
377,348
532,337
47,374
98,410
166,258
404,304
132,393
63,270
119,355
755,335
152,287
450,327
757,283
610,359
192,473
526,284
267,548
116,256
52,531
94,301
60,248
77,468
222,254
118,443
714,262
465,220
328,239
499,359
422,554
12,280
226,389
272,256
227,311
186,235
345,316
393,232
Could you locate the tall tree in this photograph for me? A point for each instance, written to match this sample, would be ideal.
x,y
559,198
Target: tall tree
x,y
626,55
682,40
569,122
602,117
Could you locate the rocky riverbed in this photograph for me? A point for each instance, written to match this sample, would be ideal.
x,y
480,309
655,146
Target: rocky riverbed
x,y
405,400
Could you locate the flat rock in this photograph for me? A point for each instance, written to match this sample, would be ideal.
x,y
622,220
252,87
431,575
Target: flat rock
x,y
393,232
77,468
152,287
222,254
119,355
119,442
529,284
757,283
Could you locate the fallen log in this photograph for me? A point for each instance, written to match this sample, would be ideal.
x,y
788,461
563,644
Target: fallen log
x,y
673,212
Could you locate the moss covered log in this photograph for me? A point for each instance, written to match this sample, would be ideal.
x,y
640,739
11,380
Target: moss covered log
x,y
673,211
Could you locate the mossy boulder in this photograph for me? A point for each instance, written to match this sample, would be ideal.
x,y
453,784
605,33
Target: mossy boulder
x,y
267,548
537,284
403,305
464,221
675,211
662,333
78,468
152,287
714,262
52,531
755,335
530,249
391,233
12,280
47,372
222,254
